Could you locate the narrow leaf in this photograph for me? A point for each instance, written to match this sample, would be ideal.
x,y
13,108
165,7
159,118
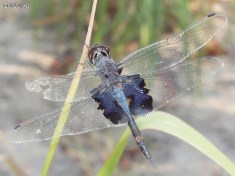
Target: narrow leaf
x,y
176,127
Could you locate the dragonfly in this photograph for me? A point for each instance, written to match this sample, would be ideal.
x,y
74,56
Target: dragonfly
x,y
112,94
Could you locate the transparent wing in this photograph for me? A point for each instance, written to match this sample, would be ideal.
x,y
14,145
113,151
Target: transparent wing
x,y
56,88
170,52
166,85
83,117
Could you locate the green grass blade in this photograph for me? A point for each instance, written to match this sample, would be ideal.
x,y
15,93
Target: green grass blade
x,y
176,127
72,91
113,159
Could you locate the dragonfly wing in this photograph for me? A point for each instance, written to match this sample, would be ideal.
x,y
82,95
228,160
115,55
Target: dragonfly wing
x,y
56,88
83,117
167,53
166,85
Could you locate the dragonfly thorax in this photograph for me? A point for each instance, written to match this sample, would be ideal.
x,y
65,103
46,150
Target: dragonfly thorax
x,y
99,56
108,71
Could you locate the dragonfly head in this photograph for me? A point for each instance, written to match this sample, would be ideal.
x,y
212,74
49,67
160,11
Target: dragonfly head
x,y
96,52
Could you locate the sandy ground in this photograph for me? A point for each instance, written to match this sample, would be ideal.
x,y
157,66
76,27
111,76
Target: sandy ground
x,y
22,58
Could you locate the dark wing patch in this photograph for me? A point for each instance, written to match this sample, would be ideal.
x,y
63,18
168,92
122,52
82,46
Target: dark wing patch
x,y
140,102
112,110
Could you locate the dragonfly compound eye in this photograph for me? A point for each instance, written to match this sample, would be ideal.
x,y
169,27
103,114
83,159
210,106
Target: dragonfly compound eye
x,y
92,55
96,51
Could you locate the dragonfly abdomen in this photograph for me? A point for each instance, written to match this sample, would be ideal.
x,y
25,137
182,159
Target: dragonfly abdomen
x,y
139,138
